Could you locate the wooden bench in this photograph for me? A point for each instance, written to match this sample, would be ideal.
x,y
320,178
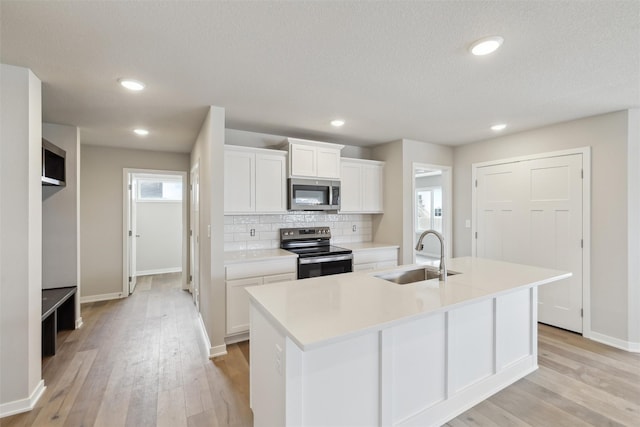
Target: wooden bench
x,y
58,313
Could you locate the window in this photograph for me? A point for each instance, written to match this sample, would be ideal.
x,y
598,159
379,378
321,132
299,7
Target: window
x,y
429,209
159,190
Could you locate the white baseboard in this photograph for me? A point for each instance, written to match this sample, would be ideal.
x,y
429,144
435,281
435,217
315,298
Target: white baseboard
x,y
101,297
219,350
237,338
159,271
633,347
22,405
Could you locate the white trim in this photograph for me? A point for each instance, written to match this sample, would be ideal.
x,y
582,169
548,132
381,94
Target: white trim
x,y
232,339
159,271
185,220
447,217
79,321
23,405
101,297
586,218
633,347
212,352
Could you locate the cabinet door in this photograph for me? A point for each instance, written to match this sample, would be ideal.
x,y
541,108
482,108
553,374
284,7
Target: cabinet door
x,y
372,179
328,163
271,183
238,304
239,179
364,267
302,160
350,187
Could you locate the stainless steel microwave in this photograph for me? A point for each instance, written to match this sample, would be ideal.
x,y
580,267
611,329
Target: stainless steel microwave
x,y
309,194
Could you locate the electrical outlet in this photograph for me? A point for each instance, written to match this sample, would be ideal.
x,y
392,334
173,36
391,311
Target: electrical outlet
x,y
354,228
467,223
252,232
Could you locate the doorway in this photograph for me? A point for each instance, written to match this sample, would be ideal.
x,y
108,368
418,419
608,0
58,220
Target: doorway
x,y
155,225
431,210
535,211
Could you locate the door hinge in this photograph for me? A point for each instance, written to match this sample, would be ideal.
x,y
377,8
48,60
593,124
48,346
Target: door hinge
x,y
476,234
129,279
582,312
130,234
190,232
581,244
476,183
130,187
190,278
581,173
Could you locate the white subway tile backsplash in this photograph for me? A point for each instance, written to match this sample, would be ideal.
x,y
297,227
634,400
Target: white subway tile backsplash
x,y
267,228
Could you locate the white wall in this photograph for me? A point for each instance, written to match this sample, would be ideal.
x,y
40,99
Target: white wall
x,y
101,206
159,247
633,192
208,153
607,135
20,239
60,208
265,140
396,225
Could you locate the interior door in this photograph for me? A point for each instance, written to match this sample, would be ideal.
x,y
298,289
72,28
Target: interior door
x,y
194,236
132,215
553,210
530,212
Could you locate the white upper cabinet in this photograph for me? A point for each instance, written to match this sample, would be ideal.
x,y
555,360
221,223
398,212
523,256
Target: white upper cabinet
x,y
313,159
361,184
255,180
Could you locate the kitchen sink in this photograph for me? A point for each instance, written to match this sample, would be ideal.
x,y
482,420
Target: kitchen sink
x,y
403,277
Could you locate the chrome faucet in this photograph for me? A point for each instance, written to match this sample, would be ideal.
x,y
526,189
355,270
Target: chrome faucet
x,y
442,272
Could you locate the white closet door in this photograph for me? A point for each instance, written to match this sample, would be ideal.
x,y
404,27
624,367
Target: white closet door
x,y
530,212
553,210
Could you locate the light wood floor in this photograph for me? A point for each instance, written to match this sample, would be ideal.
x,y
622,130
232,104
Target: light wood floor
x,y
139,362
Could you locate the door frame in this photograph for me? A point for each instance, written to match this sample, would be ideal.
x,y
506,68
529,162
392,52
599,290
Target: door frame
x,y
125,231
586,217
194,235
447,197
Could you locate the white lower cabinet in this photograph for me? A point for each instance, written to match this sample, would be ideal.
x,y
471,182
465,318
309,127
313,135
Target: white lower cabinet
x,y
240,276
373,259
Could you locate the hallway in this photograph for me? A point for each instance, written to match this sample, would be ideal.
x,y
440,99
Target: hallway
x,y
139,361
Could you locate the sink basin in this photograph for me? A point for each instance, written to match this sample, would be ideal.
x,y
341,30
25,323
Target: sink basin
x,y
403,277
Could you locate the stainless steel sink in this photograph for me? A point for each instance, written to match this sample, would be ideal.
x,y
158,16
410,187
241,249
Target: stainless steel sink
x,y
403,277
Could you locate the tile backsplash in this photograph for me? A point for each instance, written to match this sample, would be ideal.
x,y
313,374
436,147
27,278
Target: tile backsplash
x,y
263,231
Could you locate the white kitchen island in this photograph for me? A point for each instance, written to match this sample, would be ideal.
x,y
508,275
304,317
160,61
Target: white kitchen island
x,y
356,350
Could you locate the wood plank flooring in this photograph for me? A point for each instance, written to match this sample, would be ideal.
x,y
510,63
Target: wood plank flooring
x,y
139,362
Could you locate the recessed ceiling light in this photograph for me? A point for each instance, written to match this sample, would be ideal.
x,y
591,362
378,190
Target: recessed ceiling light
x,y
337,123
498,127
130,84
486,45
141,132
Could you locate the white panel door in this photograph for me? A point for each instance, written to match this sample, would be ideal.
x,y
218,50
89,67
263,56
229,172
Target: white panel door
x,y
271,183
553,209
530,212
497,228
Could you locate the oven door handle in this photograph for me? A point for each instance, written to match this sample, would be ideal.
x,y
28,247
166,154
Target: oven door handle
x,y
316,260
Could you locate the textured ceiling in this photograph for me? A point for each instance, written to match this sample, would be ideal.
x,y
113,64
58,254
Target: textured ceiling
x,y
391,69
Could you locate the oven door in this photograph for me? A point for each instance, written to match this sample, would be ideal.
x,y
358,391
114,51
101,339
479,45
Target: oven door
x,y
324,265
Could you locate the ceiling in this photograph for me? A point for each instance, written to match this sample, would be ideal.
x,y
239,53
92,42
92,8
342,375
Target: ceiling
x,y
391,69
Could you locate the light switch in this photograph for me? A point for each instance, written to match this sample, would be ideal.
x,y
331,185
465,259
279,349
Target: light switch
x,y
467,223
209,230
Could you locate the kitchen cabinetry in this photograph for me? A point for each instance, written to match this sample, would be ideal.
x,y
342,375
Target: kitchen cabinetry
x,y
255,180
361,186
312,159
240,276
373,259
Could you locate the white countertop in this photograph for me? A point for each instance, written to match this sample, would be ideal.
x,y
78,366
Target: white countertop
x,y
234,257
364,246
321,310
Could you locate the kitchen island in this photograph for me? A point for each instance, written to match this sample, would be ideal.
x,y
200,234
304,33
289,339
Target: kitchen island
x,y
357,350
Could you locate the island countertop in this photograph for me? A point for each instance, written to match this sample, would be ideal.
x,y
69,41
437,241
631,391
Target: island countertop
x,y
314,312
